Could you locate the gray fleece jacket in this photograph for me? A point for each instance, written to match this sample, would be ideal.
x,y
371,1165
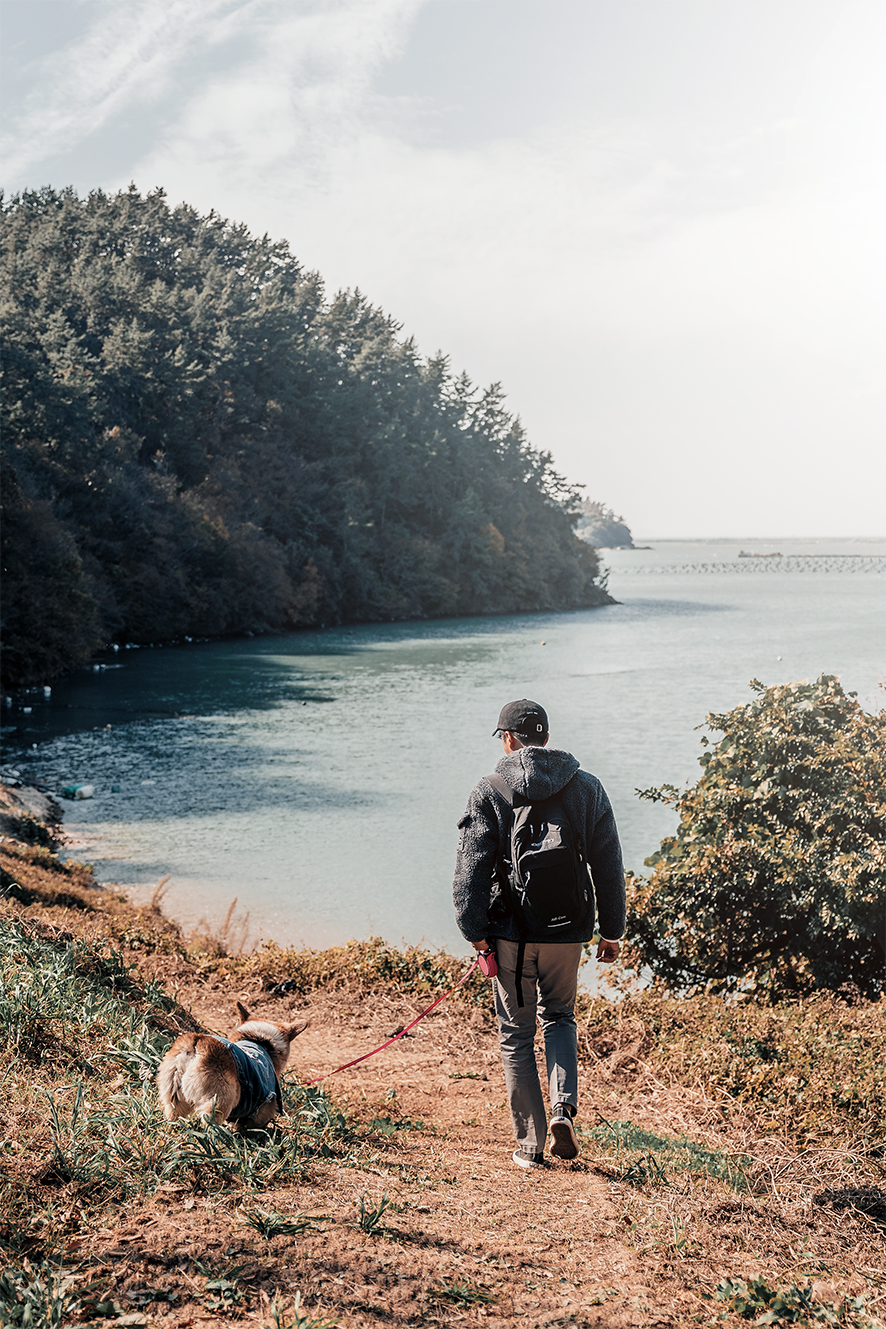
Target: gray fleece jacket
x,y
537,773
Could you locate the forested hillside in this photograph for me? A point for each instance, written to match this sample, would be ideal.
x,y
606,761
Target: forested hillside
x,y
197,441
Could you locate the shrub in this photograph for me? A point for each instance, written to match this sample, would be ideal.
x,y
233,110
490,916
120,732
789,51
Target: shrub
x,y
775,879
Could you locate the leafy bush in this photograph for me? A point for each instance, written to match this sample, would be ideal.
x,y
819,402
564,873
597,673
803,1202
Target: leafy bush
x,y
775,879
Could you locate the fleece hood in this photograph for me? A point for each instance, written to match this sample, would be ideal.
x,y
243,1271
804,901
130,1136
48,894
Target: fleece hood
x,y
537,773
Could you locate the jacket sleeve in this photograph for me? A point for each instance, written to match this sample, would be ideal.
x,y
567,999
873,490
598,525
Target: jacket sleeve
x,y
475,866
603,854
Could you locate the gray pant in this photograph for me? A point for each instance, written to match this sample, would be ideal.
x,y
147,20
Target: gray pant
x,y
550,979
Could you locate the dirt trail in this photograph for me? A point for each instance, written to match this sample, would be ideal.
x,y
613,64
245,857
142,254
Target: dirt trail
x,y
467,1238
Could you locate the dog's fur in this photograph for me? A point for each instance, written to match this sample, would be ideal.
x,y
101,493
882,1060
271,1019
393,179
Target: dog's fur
x,y
199,1074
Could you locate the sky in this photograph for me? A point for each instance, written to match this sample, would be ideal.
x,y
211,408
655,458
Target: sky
x,y
657,223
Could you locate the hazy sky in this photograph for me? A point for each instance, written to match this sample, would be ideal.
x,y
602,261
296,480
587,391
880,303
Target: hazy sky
x,y
659,223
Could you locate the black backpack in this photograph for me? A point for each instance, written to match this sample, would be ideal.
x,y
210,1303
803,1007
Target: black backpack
x,y
542,873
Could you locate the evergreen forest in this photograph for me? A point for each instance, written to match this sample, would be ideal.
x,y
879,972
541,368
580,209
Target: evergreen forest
x,y
198,441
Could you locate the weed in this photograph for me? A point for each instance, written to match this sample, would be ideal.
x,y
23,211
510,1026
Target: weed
x,y
756,1300
156,901
387,1126
644,1170
461,1294
230,940
35,1296
369,1219
225,1292
271,1224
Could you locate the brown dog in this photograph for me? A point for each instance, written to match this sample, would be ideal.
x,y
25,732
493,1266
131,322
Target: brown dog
x,y
236,1079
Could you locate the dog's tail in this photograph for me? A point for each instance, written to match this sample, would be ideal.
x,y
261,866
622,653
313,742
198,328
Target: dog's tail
x,y
171,1073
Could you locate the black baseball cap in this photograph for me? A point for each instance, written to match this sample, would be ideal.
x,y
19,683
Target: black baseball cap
x,y
525,718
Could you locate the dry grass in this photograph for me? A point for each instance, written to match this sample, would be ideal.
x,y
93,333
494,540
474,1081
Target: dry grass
x,y
724,1147
231,939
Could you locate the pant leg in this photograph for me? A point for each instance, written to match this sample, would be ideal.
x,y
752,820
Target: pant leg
x,y
516,1036
557,967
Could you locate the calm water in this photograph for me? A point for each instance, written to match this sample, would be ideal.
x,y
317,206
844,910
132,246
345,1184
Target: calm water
x,y
318,777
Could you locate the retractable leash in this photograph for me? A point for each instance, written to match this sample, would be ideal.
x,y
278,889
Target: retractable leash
x,y
489,968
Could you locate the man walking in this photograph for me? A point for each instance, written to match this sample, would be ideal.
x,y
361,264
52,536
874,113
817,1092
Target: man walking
x,y
538,951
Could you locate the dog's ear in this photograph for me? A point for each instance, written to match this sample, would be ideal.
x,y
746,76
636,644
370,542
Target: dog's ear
x,y
292,1031
243,1013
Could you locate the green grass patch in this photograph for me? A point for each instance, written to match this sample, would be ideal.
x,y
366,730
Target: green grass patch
x,y
84,1041
645,1157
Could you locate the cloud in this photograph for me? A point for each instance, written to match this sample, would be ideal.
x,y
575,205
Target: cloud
x,y
126,55
672,286
660,299
270,127
148,52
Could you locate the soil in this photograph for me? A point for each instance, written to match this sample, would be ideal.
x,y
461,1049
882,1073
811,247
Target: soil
x,y
467,1237
568,1244
544,1245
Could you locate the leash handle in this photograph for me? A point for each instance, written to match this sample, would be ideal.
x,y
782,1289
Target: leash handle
x,y
367,1055
488,963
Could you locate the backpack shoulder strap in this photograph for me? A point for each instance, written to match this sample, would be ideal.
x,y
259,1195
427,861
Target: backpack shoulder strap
x,y
577,831
506,795
502,788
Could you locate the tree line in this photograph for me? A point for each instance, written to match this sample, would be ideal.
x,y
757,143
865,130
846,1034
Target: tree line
x,y
198,441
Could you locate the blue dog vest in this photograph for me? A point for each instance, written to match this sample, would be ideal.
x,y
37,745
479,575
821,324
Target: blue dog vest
x,y
258,1083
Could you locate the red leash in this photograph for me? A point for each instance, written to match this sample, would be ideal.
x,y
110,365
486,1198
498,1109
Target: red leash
x,y
366,1055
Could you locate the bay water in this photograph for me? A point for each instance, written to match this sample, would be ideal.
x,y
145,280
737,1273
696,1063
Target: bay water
x,y
318,777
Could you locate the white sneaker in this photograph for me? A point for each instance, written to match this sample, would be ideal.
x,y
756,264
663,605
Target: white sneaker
x,y
528,1160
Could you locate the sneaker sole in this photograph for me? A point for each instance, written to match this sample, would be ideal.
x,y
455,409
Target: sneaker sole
x,y
565,1142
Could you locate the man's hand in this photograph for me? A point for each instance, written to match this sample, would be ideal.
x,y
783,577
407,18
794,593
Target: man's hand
x,y
482,946
607,951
